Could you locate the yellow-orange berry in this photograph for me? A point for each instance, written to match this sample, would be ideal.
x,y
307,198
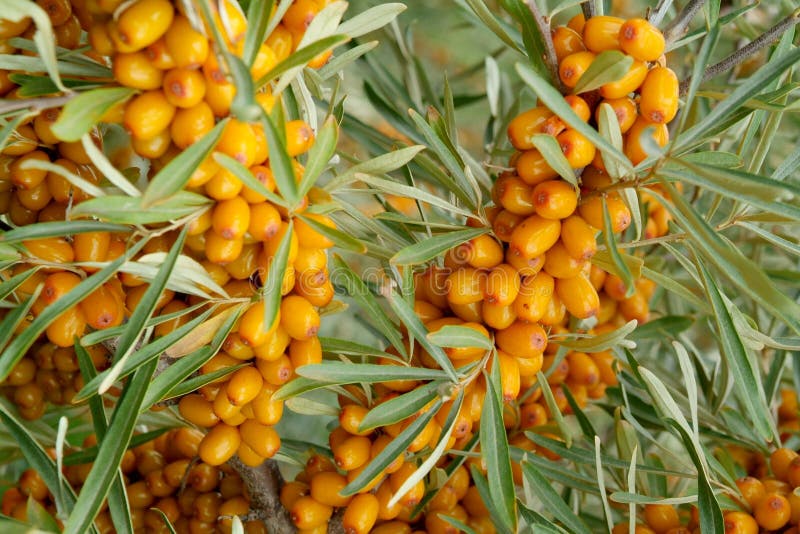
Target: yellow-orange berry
x,y
625,110
148,114
325,488
188,47
263,439
627,84
533,236
184,88
522,339
578,295
642,40
602,33
573,66
307,513
555,199
361,514
525,125
633,140
577,148
299,137
219,445
566,41
659,96
772,512
142,24
135,70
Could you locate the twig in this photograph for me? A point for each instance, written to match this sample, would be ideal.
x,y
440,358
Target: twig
x,y
35,104
657,14
550,51
680,24
589,9
264,487
762,41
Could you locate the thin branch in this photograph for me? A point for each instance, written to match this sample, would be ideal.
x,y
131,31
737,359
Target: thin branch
x,y
589,9
739,56
549,49
263,484
658,13
680,24
35,104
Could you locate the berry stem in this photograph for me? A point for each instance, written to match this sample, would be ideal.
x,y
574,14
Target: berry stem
x,y
264,487
740,55
680,24
550,51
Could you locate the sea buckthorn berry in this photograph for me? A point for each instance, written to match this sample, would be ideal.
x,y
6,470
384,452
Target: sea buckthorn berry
x,y
579,106
28,178
352,453
578,296
514,195
498,317
159,56
325,488
135,70
573,66
779,462
555,199
627,84
67,326
252,328
578,237
291,491
752,489
308,237
509,376
219,445
739,523
299,137
263,439
36,198
625,110
577,148
238,141
143,23
43,124
148,114
350,417
502,285
525,125
22,142
482,252
533,236
197,410
221,250
361,514
190,124
566,41
633,144
231,218
602,33
558,263
661,517
244,385
522,340
58,284
642,40
184,88
103,308
465,286
399,477
772,512
504,224
307,513
223,185
264,62
11,28
22,373
592,212
188,47
659,96
299,318
154,147
300,14
219,96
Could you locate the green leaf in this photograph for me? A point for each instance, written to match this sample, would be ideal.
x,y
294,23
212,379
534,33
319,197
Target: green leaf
x,y
376,166
301,57
621,267
554,101
434,246
460,336
496,25
550,150
247,178
371,19
494,451
280,162
350,373
258,14
297,386
340,61
538,485
598,343
44,38
15,317
83,112
609,66
341,239
416,328
276,269
173,177
386,186
58,228
20,344
129,210
194,383
320,154
350,348
747,379
531,34
356,288
663,327
400,407
81,183
123,422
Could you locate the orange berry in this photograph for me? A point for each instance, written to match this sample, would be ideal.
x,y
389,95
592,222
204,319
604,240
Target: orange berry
x,y
350,417
188,47
28,178
577,148
190,124
361,514
559,263
299,317
67,326
307,513
779,462
602,33
299,137
522,340
578,237
465,286
238,141
739,523
159,56
184,88
659,96
325,488
148,114
627,84
308,237
10,28
57,285
533,236
642,40
772,512
752,489
43,124
352,452
219,96
555,199
244,385
502,285
231,218
142,24
513,194
572,67
263,439
219,445
154,147
482,252
504,224
103,308
135,70
625,110
566,41
525,125
578,296
197,410
633,144
592,212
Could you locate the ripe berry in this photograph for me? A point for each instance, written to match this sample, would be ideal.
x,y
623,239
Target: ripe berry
x,y
659,96
602,33
642,40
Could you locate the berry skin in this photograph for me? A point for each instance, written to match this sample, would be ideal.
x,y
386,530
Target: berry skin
x,y
526,124
627,84
142,24
184,88
231,218
307,513
559,263
659,96
148,114
252,329
299,137
577,148
325,487
361,514
28,178
772,512
534,236
57,285
198,411
351,453
244,385
555,199
578,237
578,296
299,317
155,147
661,517
263,439
642,40
135,70
522,340
67,326
103,308
573,66
515,195
187,47
465,286
219,445
633,144
566,41
502,285
482,252
602,33
752,489
239,142
625,110
190,124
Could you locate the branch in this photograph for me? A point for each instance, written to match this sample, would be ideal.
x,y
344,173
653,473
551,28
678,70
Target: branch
x,y
589,9
657,14
680,24
263,484
760,42
35,104
550,51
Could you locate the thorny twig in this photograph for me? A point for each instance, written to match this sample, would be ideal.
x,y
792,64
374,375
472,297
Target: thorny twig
x,y
549,49
589,9
680,24
657,14
264,487
760,42
34,104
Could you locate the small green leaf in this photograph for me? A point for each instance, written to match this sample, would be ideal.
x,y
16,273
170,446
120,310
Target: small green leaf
x,y
258,14
400,407
460,336
341,239
301,57
601,342
377,166
58,228
609,66
550,150
320,154
276,270
247,178
434,246
371,19
536,484
280,162
350,373
83,112
129,210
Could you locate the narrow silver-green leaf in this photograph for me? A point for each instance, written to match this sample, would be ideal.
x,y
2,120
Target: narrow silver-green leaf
x,y
276,270
548,147
320,154
434,246
350,373
460,336
400,407
83,112
609,66
538,485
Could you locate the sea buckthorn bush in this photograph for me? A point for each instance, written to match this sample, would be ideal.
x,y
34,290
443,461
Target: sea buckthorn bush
x,y
316,266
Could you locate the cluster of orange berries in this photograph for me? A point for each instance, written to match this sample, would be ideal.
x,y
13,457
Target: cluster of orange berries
x,y
161,476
